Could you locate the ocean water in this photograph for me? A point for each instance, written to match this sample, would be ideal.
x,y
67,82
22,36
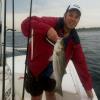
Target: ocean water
x,y
90,40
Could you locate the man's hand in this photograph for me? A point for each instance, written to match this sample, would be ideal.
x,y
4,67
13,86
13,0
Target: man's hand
x,y
52,35
89,94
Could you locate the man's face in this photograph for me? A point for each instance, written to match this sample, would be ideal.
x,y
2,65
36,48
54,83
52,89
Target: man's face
x,y
71,19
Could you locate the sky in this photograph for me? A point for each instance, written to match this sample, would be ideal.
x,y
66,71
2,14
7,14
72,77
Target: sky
x,y
90,11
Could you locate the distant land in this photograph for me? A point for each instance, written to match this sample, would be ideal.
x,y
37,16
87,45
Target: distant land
x,y
90,28
81,29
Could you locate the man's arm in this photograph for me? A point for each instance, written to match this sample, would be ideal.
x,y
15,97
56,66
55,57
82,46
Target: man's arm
x,y
52,35
79,61
36,24
43,26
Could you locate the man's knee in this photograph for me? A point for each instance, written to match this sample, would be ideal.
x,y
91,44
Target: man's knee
x,y
36,97
50,93
50,96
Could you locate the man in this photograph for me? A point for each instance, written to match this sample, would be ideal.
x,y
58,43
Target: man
x,y
44,29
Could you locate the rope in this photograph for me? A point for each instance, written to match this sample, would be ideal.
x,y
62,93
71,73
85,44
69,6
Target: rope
x,y
4,53
76,85
26,62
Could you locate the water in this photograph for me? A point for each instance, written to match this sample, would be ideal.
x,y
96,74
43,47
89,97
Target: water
x,y
91,46
90,40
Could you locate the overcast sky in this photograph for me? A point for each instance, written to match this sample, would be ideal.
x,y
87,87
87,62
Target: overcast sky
x,y
90,10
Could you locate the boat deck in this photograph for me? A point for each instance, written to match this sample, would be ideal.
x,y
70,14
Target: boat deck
x,y
71,85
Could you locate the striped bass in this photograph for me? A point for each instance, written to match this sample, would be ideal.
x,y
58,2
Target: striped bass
x,y
59,64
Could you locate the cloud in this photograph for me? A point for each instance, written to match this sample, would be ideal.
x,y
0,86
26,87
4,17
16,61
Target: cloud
x,y
18,19
89,17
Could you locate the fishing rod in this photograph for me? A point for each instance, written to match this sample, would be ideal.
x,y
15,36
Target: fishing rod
x,y
0,46
0,34
13,53
4,52
26,62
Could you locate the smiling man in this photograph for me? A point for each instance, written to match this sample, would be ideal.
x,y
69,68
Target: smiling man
x,y
45,31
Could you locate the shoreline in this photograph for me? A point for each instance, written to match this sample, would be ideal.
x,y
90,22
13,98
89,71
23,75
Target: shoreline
x,y
89,29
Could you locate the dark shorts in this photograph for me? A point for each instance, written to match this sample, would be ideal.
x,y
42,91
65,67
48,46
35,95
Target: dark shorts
x,y
36,86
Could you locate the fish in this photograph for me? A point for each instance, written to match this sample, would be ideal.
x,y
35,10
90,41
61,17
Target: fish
x,y
59,65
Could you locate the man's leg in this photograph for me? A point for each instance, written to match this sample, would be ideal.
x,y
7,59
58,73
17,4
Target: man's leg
x,y
36,97
49,89
50,96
